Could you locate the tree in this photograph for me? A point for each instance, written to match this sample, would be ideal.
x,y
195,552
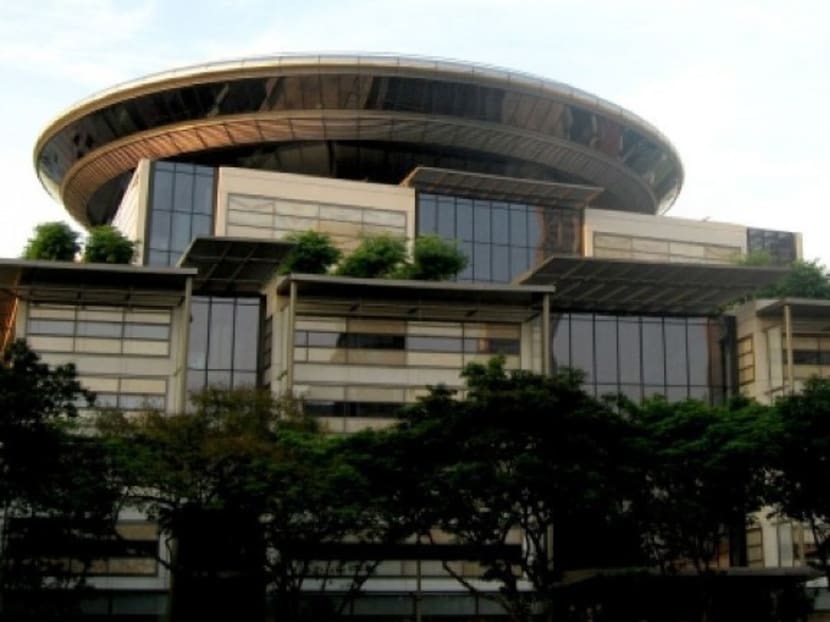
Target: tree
x,y
805,279
313,253
253,498
519,451
801,467
53,241
375,257
703,473
57,500
434,259
106,244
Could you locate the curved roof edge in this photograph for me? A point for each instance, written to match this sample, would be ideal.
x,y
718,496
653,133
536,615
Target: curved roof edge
x,y
457,69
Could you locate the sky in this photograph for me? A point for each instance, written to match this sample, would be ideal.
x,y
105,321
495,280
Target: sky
x,y
742,88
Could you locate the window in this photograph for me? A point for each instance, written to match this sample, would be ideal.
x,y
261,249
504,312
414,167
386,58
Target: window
x,y
501,240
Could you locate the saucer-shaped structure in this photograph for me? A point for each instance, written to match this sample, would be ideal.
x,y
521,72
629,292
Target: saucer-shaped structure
x,y
371,118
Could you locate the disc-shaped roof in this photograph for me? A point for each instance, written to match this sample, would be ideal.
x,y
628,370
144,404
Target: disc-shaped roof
x,y
365,117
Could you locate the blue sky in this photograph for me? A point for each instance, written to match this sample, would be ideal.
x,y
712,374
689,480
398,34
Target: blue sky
x,y
742,88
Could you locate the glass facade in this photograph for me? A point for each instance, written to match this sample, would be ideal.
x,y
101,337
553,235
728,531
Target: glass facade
x,y
501,240
181,206
641,356
779,245
224,337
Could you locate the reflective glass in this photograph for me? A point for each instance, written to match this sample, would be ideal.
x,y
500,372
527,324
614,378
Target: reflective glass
x,y
582,344
629,354
698,341
606,351
162,189
197,346
157,332
560,329
482,221
501,264
245,339
446,218
676,364
99,329
52,327
654,371
501,224
464,219
221,335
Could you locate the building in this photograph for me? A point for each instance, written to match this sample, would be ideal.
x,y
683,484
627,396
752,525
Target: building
x,y
556,196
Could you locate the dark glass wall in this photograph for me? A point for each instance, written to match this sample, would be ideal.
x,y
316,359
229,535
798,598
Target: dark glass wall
x,y
224,336
641,356
181,206
779,245
501,240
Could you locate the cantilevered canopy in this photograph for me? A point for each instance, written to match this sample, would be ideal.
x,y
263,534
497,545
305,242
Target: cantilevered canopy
x,y
233,265
499,188
802,308
622,286
427,300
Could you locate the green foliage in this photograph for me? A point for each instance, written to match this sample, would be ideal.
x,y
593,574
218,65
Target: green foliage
x,y
245,459
801,467
805,279
106,244
54,241
314,253
520,450
434,259
375,257
703,471
55,493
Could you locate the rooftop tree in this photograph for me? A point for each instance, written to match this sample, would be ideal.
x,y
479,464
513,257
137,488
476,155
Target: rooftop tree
x,y
106,244
53,241
375,257
313,253
434,259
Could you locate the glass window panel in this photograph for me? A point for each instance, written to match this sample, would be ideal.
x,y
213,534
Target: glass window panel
x,y
196,380
699,393
244,379
535,227
183,193
300,338
160,230
221,335
677,393
201,225
159,258
203,195
159,332
698,342
482,221
519,261
181,231
197,347
219,378
433,344
629,350
606,350
634,392
582,344
427,222
518,226
501,223
501,264
106,400
162,189
560,329
446,218
502,346
467,273
607,389
676,365
99,329
325,340
652,390
246,336
481,262
464,219
52,327
653,353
